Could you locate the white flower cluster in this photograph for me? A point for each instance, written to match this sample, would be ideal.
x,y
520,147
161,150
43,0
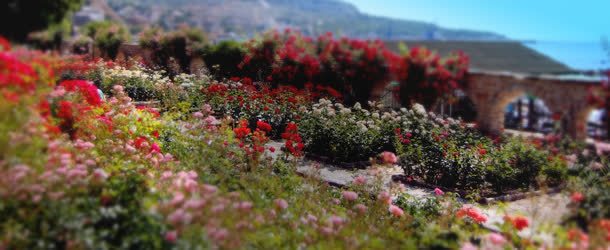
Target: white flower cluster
x,y
190,80
119,73
415,120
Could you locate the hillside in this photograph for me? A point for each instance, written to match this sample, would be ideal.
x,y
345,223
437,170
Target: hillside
x,y
243,18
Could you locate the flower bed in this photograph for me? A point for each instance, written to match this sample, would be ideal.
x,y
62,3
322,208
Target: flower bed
x,y
78,172
439,152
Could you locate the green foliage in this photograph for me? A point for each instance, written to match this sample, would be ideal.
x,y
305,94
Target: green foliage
x,y
109,216
81,45
594,183
180,46
52,37
26,16
223,58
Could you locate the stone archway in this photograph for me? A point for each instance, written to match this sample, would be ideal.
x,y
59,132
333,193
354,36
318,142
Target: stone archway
x,y
567,98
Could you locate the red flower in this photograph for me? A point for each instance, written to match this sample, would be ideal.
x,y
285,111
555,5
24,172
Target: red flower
x,y
85,88
65,110
294,144
242,131
261,125
519,222
139,142
577,197
472,213
577,235
246,81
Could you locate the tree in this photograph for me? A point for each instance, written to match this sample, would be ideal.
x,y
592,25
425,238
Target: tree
x,y
26,16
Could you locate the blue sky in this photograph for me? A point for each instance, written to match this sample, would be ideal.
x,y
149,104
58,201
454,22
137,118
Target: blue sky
x,y
547,20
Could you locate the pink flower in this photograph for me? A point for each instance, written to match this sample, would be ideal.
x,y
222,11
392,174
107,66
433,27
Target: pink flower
x,y
326,231
171,236
198,115
361,208
496,239
118,88
359,180
166,175
336,220
280,204
396,211
349,195
219,234
245,206
389,158
99,175
155,148
438,191
385,197
179,216
468,246
130,149
209,189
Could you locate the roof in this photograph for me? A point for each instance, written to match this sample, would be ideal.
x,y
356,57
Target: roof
x,y
498,56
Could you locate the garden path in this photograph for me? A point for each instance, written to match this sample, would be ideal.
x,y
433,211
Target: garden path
x,y
544,210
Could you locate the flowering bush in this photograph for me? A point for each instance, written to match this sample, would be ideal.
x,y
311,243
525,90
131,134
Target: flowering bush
x,y
139,83
429,77
346,134
352,67
441,152
448,154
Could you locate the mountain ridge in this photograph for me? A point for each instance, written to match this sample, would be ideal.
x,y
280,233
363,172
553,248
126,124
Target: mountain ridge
x,y
240,19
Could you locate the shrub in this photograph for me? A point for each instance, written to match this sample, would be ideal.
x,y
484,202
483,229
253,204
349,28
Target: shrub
x,y
180,45
223,58
81,45
107,36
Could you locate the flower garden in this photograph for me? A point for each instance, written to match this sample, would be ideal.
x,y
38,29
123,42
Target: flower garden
x,y
172,160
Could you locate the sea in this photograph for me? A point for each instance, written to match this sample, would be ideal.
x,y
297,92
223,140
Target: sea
x,y
592,55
